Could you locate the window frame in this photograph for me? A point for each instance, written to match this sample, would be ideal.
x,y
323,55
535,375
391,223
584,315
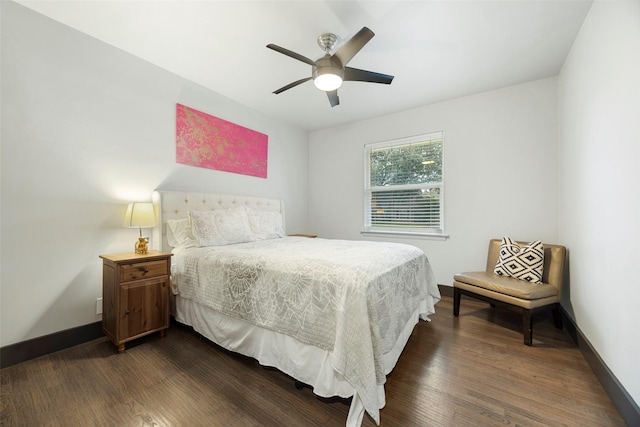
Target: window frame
x,y
399,230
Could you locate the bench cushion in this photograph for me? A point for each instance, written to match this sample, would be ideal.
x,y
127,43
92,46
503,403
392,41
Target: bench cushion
x,y
507,285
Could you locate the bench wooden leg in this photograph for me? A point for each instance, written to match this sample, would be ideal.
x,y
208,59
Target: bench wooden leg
x,y
527,327
557,316
456,302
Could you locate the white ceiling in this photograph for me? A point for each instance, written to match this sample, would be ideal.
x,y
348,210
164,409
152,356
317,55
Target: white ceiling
x,y
436,50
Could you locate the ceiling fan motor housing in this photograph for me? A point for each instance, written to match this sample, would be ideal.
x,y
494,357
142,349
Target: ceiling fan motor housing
x,y
328,65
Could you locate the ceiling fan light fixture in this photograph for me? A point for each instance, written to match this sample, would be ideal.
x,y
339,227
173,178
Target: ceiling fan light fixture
x,y
328,82
327,74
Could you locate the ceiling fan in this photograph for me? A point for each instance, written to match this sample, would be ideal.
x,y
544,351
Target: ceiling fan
x,y
330,71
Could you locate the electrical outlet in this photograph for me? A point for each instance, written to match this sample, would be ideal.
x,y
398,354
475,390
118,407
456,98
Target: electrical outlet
x,y
99,306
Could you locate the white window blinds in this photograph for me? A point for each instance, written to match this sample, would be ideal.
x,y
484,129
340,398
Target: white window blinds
x,y
404,185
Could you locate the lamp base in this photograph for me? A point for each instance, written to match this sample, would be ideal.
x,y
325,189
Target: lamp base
x,y
142,245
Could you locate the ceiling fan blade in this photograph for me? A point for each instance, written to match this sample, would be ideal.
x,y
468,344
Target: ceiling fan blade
x,y
291,54
294,84
356,75
348,50
333,97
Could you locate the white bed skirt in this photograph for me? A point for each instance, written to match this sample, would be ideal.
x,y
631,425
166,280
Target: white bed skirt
x,y
306,363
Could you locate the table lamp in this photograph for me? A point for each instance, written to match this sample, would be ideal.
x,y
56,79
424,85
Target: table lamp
x,y
140,214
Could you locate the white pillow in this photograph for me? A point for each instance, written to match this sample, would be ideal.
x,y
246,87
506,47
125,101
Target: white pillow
x,y
220,227
179,233
521,262
265,224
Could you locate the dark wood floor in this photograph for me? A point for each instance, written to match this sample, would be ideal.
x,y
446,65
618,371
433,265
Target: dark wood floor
x,y
470,371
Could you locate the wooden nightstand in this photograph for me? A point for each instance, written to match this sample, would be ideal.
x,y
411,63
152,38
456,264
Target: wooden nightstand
x,y
311,236
135,295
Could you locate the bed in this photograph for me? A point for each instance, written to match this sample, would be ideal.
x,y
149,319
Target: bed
x,y
332,314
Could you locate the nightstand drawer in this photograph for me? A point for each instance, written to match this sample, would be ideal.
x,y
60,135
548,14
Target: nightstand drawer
x,y
143,270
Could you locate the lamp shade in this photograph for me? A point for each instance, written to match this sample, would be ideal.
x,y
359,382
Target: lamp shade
x,y
140,214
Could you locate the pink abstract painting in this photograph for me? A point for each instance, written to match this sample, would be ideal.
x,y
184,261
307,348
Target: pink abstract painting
x,y
209,142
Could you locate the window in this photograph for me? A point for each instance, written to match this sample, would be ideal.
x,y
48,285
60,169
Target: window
x,y
404,185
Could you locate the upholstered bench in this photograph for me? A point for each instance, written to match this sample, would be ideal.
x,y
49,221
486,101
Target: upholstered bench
x,y
508,292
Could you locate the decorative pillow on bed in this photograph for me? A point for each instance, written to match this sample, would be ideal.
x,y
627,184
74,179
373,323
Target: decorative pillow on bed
x,y
523,263
220,227
265,224
179,233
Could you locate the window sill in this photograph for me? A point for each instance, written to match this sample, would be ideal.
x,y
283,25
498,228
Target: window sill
x,y
432,236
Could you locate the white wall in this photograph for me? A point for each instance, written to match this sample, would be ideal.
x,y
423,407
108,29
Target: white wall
x,y
599,164
87,128
500,172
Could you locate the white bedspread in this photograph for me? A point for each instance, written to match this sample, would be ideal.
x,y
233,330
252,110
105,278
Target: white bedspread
x,y
352,298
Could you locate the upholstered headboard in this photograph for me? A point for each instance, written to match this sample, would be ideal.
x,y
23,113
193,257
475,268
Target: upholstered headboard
x,y
177,204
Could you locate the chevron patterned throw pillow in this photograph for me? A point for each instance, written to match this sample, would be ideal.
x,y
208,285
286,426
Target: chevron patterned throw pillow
x,y
523,263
